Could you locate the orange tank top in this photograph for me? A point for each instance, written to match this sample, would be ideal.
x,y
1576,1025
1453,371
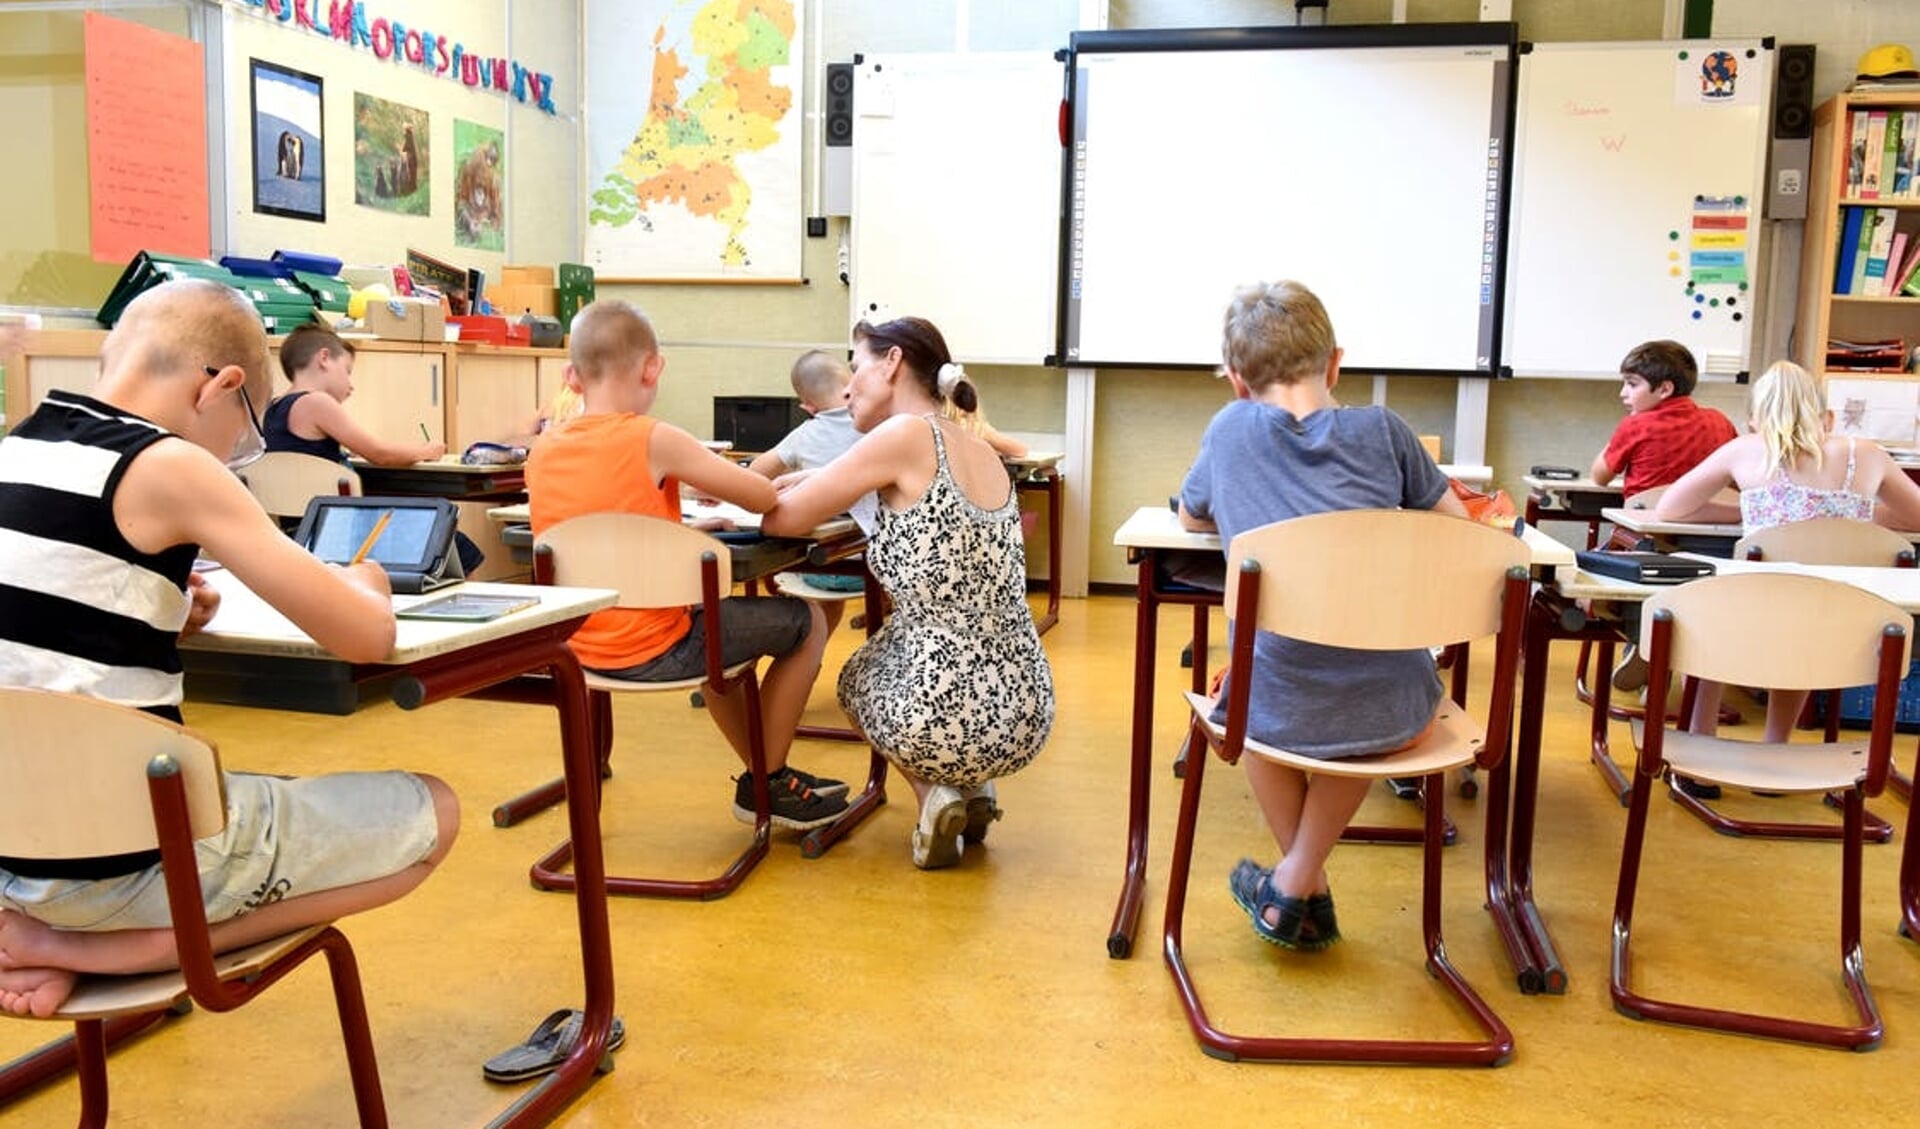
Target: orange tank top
x,y
593,464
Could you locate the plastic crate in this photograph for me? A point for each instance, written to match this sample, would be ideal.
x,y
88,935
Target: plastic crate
x,y
1856,704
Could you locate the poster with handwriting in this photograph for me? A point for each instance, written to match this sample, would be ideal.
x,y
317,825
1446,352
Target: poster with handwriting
x,y
146,141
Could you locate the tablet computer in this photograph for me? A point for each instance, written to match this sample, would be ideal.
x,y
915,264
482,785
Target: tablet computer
x,y
466,607
415,546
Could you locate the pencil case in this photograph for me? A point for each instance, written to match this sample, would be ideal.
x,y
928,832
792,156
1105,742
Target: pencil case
x,y
492,454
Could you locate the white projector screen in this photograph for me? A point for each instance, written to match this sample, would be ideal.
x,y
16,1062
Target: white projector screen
x,y
1370,163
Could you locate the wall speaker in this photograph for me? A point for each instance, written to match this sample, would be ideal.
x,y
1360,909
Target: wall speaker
x,y
839,116
1792,155
836,141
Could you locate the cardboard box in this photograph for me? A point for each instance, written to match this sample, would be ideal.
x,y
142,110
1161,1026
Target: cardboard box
x,y
527,276
511,299
407,319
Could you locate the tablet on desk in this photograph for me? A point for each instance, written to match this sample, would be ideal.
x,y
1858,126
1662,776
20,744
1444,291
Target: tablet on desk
x,y
415,546
467,607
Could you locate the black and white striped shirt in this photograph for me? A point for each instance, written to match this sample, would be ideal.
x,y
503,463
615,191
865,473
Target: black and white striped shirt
x,y
82,611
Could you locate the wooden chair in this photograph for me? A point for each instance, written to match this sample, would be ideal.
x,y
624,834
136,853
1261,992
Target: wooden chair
x,y
1816,633
76,789
1822,541
1371,579
653,564
285,481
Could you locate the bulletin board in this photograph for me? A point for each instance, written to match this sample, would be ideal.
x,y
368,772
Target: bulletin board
x,y
956,191
1636,209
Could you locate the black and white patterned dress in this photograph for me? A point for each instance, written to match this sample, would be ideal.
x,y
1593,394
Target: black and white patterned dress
x,y
955,688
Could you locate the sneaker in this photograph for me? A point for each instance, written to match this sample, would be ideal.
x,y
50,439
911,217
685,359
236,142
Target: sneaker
x,y
821,785
795,806
1699,790
1631,673
982,810
936,838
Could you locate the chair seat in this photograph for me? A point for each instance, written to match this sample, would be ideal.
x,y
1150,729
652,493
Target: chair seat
x,y
1795,767
629,685
1454,740
102,997
796,584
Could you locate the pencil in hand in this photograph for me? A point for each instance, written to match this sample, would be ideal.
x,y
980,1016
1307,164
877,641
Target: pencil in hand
x,y
424,437
366,546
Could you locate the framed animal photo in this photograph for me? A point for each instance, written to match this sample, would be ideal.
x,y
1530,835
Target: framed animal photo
x,y
390,156
480,171
289,139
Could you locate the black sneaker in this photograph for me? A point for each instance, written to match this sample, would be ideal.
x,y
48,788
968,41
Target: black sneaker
x,y
1404,787
795,806
821,785
1698,789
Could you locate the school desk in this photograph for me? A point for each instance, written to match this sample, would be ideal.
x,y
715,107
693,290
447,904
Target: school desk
x,y
832,540
1711,539
1148,536
1570,499
1038,472
439,660
1554,615
445,477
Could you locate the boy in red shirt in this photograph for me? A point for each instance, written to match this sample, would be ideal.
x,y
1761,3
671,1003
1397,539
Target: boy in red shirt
x,y
1665,434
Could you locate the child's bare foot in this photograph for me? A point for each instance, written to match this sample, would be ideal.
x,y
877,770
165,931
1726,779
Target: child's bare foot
x,y
34,991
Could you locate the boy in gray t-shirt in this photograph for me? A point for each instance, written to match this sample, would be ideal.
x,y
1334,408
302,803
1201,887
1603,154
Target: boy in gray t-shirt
x,y
1284,449
820,380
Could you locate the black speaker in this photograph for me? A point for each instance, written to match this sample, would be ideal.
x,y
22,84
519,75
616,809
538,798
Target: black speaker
x,y
839,117
1793,92
1792,156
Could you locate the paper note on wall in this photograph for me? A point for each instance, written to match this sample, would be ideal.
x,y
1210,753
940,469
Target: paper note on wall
x,y
1881,410
146,141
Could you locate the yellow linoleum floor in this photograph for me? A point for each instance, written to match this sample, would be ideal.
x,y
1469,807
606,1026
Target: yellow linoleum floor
x,y
855,990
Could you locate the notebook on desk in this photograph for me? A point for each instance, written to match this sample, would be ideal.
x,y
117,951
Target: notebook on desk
x,y
1643,568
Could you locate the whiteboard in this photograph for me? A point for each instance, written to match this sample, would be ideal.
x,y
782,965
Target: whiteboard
x,y
1366,163
1636,204
956,198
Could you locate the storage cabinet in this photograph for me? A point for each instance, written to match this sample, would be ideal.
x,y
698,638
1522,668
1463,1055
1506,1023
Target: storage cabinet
x,y
1825,315
397,394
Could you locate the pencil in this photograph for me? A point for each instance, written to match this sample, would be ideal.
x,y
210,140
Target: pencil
x,y
424,437
366,546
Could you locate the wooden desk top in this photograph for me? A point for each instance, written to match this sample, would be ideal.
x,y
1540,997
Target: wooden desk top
x,y
1157,527
246,624
446,464
1571,486
521,513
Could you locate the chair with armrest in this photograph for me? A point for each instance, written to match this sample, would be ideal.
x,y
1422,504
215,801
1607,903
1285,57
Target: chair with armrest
x,y
76,789
1819,541
1817,633
1378,580
285,481
654,563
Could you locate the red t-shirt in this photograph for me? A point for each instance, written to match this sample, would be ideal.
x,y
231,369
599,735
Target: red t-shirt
x,y
1654,448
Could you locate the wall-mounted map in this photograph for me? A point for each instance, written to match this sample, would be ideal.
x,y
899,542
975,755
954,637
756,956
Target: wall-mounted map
x,y
693,139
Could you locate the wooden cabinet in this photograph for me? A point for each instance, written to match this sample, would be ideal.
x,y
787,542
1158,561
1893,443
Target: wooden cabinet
x,y
1823,314
395,395
494,397
68,360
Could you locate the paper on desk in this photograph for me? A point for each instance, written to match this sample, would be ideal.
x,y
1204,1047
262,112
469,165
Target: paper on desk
x,y
693,509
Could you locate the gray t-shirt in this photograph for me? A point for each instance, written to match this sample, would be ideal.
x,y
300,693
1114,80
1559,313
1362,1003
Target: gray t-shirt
x,y
818,441
1258,465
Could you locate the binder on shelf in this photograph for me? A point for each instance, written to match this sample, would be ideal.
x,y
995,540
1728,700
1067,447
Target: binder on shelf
x,y
1863,250
1879,247
1848,250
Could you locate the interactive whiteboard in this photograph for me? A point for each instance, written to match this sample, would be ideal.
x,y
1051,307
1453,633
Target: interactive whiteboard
x,y
956,198
1636,203
1369,163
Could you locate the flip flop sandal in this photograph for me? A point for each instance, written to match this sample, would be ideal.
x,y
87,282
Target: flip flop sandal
x,y
1254,894
547,1047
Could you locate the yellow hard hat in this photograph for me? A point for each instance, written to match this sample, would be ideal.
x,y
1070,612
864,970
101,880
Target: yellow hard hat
x,y
1889,60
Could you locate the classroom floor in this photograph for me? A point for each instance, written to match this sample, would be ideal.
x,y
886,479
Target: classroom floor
x,y
856,990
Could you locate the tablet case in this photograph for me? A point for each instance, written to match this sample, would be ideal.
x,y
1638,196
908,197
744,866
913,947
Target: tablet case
x,y
1643,568
441,562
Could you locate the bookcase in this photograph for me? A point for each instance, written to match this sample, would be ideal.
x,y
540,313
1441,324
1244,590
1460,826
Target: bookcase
x,y
1831,309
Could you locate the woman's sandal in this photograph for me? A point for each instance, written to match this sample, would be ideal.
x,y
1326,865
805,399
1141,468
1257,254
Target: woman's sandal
x,y
1255,894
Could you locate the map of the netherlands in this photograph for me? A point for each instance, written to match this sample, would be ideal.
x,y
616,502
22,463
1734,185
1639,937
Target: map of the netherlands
x,y
693,138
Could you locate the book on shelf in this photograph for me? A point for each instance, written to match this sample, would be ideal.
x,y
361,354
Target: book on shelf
x,y
1903,162
1848,249
1890,152
1863,250
1879,245
1856,152
1876,145
1896,257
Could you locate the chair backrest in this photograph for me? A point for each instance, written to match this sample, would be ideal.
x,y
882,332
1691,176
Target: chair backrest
x,y
285,481
1377,579
652,562
1826,541
76,780
1776,630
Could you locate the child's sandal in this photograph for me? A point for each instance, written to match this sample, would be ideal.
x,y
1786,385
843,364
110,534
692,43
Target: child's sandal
x,y
1254,892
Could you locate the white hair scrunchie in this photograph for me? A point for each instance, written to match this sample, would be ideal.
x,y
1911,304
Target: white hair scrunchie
x,y
949,378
